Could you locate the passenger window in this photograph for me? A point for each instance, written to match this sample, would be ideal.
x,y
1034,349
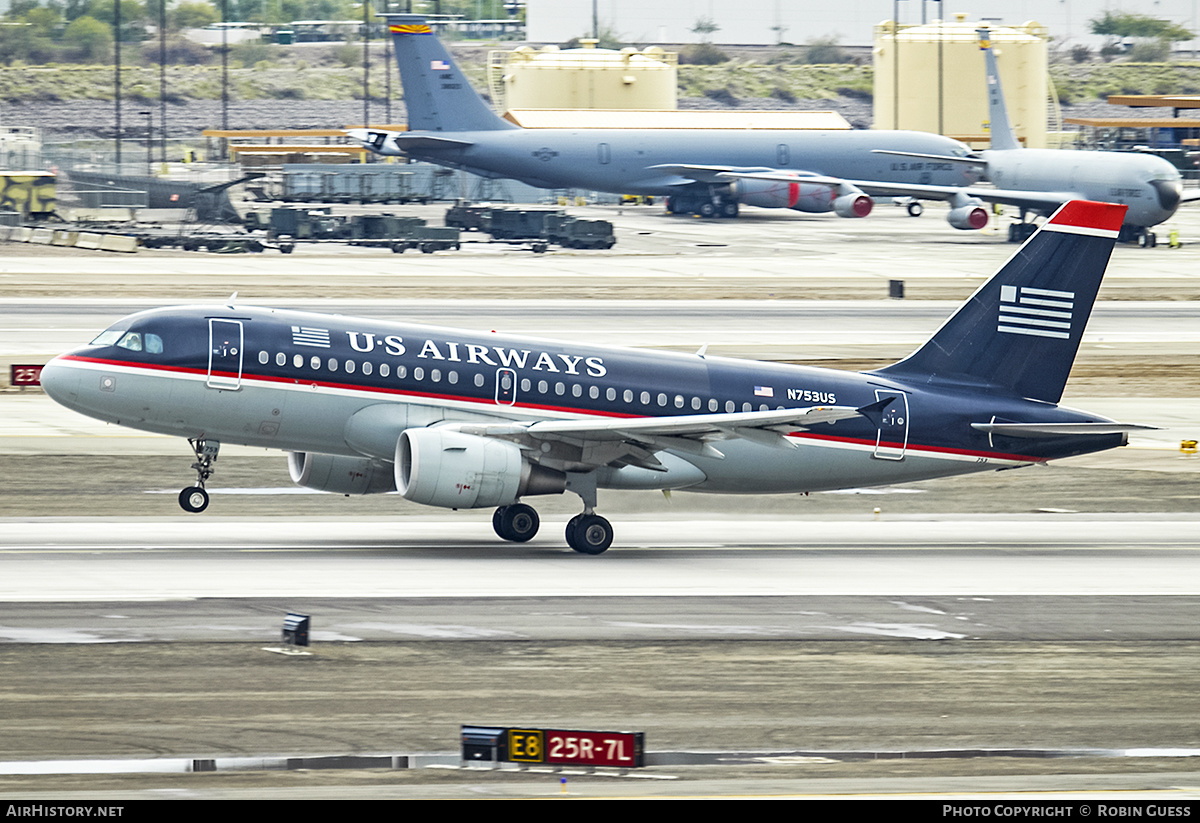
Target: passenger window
x,y
281,359
384,369
315,363
401,371
349,367
298,360
368,368
263,357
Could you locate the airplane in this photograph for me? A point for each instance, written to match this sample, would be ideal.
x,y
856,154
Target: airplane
x,y
1038,181
707,172
461,419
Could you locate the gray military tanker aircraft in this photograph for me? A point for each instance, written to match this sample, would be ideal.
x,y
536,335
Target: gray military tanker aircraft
x,y
708,172
462,419
1038,181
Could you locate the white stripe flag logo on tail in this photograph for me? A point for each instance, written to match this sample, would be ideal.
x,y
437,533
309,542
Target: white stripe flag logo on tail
x,y
1035,312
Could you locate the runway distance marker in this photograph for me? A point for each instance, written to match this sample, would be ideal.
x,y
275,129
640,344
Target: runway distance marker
x,y
554,747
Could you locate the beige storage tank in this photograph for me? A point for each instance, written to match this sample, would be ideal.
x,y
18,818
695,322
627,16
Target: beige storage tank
x,y
583,78
942,86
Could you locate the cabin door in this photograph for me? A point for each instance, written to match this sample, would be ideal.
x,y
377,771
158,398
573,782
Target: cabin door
x,y
224,354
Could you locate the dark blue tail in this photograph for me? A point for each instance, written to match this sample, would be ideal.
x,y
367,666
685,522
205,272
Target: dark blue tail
x,y
1020,331
436,92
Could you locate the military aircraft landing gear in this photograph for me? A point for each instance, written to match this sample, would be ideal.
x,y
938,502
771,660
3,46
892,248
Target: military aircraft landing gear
x,y
1143,237
517,523
194,499
1020,232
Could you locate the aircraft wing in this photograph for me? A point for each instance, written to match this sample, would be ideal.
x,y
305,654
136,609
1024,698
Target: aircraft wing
x,y
634,441
1033,200
1189,195
725,174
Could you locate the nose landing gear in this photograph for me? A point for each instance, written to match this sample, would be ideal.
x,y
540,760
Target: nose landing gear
x,y
194,499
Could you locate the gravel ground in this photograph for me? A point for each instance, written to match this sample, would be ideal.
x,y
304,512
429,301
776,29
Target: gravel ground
x,y
77,119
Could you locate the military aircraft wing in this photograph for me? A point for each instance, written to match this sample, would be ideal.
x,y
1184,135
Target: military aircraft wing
x,y
968,160
635,440
1033,200
724,174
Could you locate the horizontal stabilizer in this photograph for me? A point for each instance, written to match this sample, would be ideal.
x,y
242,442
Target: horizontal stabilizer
x,y
406,140
1041,430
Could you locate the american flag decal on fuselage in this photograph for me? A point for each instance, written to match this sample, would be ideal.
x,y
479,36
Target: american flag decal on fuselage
x,y
1035,312
304,336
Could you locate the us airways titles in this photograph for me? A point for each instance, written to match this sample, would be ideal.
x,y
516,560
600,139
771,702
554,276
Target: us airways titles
x,y
453,351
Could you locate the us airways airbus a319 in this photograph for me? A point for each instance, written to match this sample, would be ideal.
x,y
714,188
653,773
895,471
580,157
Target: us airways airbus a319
x,y
462,419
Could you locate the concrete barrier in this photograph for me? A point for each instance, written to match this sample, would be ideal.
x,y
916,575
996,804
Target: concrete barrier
x,y
22,234
87,240
42,236
118,242
62,237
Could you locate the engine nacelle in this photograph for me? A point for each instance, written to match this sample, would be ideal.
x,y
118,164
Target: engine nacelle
x,y
766,194
966,212
853,205
843,200
340,475
442,467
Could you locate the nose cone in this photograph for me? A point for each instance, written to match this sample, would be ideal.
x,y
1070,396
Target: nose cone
x,y
61,382
1169,193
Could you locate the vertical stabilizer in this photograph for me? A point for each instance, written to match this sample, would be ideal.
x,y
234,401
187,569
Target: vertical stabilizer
x,y
1020,331
436,93
1001,132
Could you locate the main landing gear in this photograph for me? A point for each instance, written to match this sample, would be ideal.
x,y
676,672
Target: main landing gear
x,y
587,533
194,499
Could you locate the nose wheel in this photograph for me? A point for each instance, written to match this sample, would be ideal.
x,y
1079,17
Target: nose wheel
x,y
194,499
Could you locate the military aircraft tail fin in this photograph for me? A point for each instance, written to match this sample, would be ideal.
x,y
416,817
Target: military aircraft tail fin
x,y
1020,331
437,94
1001,132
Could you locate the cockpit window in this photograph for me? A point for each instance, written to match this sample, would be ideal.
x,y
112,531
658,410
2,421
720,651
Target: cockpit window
x,y
107,338
153,343
132,341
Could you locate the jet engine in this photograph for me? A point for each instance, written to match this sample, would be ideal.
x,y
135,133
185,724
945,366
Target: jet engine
x,y
442,467
340,475
967,213
843,200
766,194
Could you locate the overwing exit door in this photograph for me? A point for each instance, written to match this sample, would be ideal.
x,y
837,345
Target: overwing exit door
x,y
224,354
